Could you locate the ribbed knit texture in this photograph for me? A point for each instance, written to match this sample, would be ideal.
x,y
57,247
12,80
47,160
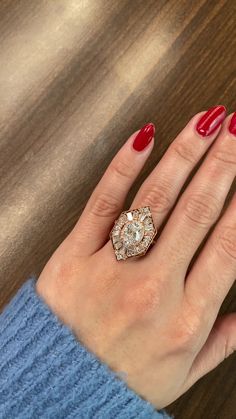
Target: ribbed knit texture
x,y
45,372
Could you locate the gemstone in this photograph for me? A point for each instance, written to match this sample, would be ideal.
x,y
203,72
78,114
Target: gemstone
x,y
122,219
118,245
142,217
129,252
133,233
135,214
129,216
147,210
119,256
115,238
116,230
139,248
146,240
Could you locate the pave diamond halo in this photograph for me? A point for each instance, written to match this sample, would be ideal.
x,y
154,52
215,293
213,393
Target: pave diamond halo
x,y
133,233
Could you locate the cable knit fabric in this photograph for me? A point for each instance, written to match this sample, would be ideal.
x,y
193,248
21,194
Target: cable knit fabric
x,y
45,372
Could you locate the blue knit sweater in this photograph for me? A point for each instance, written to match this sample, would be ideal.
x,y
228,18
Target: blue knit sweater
x,y
45,372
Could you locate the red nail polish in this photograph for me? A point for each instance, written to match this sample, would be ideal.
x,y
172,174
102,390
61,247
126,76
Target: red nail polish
x,y
144,137
232,125
211,120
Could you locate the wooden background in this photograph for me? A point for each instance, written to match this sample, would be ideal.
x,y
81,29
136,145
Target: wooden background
x,y
77,77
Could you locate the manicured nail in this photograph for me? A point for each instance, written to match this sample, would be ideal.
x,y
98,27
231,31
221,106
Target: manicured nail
x,y
211,120
144,137
232,125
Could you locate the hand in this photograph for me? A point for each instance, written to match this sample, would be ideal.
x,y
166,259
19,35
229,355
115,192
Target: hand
x,y
154,318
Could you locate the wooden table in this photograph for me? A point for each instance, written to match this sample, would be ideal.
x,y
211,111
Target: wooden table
x,y
77,77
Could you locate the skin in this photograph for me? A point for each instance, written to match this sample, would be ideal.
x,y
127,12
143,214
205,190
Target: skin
x,y
152,318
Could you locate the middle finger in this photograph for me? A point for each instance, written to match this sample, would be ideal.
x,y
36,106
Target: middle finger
x,y
200,205
162,187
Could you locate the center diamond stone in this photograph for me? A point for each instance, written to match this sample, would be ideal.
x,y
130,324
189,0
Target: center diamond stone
x,y
133,233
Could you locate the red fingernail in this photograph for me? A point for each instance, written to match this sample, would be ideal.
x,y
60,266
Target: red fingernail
x,y
211,120
144,137
232,125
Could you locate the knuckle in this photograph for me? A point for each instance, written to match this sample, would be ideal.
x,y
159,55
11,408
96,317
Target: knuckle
x,y
187,331
184,151
158,198
105,205
224,157
226,242
122,168
183,341
143,299
201,209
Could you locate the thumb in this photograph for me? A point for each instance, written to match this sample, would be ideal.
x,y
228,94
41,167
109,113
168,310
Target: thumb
x,y
220,343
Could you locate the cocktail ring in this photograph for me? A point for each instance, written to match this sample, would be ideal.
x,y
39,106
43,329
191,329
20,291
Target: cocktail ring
x,y
133,233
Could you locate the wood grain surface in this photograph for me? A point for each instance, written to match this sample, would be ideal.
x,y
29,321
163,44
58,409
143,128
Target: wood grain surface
x,y
77,77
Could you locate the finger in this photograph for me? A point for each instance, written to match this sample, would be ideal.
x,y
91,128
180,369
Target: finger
x,y
220,343
107,200
214,272
200,205
161,189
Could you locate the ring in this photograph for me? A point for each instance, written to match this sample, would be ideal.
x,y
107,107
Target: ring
x,y
133,233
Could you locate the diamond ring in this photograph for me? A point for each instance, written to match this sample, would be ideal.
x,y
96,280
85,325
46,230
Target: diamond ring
x,y
133,233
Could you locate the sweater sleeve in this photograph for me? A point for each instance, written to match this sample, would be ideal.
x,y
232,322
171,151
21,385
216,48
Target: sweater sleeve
x,y
45,372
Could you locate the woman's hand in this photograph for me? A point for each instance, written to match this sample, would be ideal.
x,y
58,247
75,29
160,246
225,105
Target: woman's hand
x,y
152,318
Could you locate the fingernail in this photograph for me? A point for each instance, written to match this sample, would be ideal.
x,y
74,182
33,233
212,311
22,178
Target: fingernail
x,y
211,120
232,125
144,137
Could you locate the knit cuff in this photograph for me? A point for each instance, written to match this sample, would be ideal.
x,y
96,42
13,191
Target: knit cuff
x,y
46,372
